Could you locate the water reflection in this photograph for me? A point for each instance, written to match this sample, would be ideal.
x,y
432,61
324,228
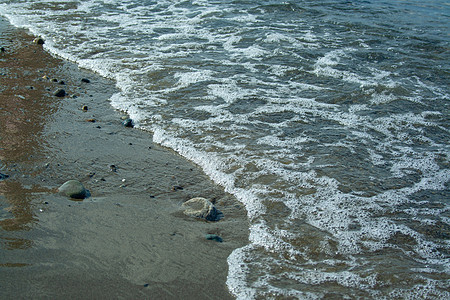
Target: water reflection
x,y
24,109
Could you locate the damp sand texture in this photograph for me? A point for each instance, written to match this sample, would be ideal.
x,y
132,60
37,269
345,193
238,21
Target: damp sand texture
x,y
129,238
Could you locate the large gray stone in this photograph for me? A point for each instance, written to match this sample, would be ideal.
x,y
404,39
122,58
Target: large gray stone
x,y
73,189
201,208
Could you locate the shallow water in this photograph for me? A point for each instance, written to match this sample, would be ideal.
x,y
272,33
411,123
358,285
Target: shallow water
x,y
329,120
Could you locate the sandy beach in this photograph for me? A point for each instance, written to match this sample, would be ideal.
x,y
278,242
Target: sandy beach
x,y
130,238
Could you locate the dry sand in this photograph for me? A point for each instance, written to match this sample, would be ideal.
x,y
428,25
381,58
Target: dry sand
x,y
129,239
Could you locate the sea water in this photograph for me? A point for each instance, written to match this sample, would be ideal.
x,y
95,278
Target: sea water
x,y
329,120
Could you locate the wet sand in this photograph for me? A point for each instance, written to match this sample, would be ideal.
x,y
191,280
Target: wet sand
x,y
130,239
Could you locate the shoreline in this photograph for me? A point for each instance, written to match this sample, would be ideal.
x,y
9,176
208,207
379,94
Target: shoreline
x,y
130,238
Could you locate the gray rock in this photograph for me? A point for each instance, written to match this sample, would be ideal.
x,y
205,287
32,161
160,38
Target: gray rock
x,y
59,93
201,208
73,189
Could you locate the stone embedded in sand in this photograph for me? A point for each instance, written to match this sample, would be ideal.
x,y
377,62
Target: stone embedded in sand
x,y
85,80
3,176
73,189
59,93
39,41
213,237
201,208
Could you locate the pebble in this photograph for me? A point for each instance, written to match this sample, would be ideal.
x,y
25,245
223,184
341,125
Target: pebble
x,y
214,237
177,187
128,123
2,49
59,93
3,176
84,108
39,41
73,189
85,80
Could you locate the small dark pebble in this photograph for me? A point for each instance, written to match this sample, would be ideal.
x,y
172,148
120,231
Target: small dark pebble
x,y
30,87
152,196
84,108
2,49
130,144
39,41
99,127
113,168
128,123
176,188
45,202
59,93
3,176
54,80
85,80
146,285
62,82
213,237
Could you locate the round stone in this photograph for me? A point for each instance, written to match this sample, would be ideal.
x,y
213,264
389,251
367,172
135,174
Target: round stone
x,y
73,189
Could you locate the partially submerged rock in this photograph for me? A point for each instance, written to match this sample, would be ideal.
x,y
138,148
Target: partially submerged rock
x,y
201,208
73,189
39,41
